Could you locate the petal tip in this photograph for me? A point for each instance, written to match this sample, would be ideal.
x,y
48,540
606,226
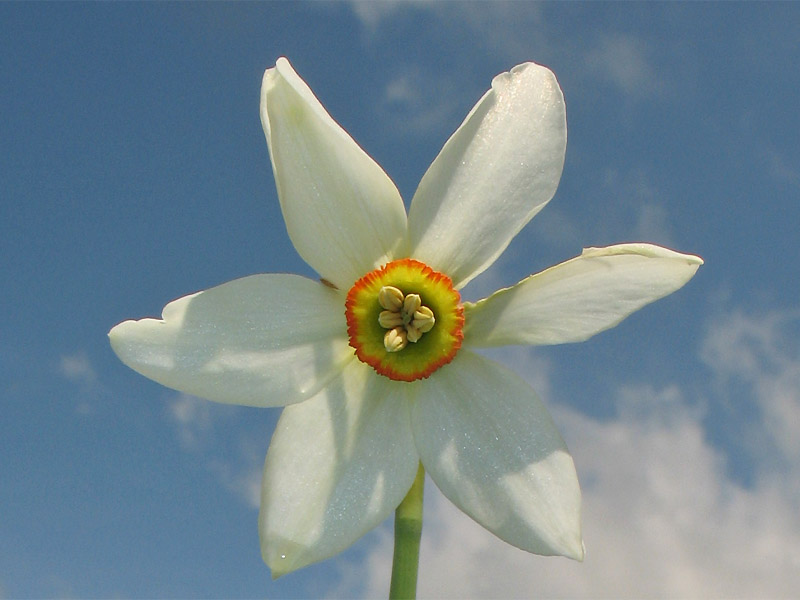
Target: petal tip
x,y
642,249
280,562
117,333
576,551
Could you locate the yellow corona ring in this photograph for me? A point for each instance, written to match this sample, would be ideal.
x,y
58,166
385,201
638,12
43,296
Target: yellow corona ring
x,y
405,320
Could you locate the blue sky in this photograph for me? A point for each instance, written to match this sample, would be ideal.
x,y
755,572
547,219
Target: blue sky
x,y
134,170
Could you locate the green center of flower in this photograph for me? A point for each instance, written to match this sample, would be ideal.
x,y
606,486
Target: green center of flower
x,y
405,320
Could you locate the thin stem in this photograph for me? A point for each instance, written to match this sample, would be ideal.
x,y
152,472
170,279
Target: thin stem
x,y
407,533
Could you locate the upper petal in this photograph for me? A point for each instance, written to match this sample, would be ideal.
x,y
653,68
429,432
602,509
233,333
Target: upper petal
x,y
491,447
263,340
500,167
337,466
344,215
576,299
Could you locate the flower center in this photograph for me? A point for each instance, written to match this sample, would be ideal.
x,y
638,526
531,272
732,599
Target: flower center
x,y
405,320
404,317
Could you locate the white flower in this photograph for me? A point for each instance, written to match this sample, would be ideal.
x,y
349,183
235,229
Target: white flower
x,y
376,363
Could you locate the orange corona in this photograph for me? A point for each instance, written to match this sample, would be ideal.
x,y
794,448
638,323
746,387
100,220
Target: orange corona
x,y
405,320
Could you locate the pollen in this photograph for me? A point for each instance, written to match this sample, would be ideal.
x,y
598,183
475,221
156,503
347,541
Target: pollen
x,y
405,320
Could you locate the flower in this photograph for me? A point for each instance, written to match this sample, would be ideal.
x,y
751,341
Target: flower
x,y
376,364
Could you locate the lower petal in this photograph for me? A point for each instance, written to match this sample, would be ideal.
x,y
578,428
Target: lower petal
x,y
337,466
491,447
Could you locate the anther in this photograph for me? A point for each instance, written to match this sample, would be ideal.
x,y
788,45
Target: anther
x,y
390,298
413,333
389,319
395,339
411,303
423,319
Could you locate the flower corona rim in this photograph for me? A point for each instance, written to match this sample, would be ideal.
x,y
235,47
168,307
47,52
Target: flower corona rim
x,y
405,320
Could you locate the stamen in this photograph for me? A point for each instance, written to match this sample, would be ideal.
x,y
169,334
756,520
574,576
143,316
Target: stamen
x,y
395,339
413,333
404,316
423,319
390,319
390,298
411,303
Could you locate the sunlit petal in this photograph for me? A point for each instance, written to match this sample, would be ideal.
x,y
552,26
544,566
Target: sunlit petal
x,y
337,466
493,175
576,299
264,340
490,445
344,215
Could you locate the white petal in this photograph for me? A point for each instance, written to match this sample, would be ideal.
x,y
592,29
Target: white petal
x,y
264,340
573,301
493,175
490,445
344,215
337,466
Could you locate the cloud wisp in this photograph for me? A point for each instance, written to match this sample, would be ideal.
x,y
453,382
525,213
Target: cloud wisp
x,y
236,466
77,368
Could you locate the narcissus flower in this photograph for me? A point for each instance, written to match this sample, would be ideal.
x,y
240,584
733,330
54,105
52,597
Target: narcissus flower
x,y
376,363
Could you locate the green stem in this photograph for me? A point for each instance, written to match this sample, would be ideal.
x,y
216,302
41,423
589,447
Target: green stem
x,y
407,532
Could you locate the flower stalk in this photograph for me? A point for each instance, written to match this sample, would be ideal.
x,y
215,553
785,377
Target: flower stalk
x,y
407,533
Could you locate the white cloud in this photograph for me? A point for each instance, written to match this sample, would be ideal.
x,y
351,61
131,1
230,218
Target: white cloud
x,y
77,367
663,516
416,104
192,417
237,465
373,13
652,224
760,357
242,478
623,61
